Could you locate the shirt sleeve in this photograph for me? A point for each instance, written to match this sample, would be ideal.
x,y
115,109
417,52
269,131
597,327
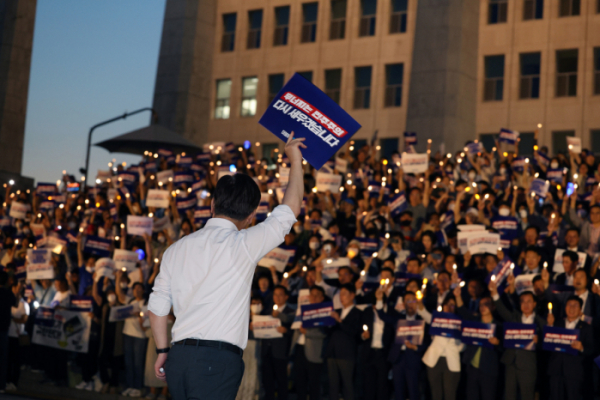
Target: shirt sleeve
x,y
160,301
264,237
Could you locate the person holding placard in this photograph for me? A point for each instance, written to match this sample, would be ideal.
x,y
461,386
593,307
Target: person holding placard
x,y
589,239
567,371
211,324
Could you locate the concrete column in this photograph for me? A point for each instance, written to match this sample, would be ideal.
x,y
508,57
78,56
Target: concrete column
x,y
17,20
184,76
443,83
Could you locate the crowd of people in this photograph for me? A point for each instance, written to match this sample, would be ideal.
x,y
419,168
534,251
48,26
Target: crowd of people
x,y
401,236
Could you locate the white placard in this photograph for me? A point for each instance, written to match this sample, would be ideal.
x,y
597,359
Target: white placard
x,y
329,182
558,261
331,266
284,176
158,198
39,264
18,210
103,176
463,240
265,327
138,225
471,228
38,229
125,260
303,299
121,313
524,283
341,165
104,272
277,258
66,330
484,243
575,142
163,176
415,163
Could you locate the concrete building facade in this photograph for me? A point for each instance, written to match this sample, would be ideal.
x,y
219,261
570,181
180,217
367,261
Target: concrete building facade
x,y
450,70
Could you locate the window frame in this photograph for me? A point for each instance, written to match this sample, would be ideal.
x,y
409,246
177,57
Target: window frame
x,y
250,99
393,91
222,103
493,82
337,26
566,79
362,94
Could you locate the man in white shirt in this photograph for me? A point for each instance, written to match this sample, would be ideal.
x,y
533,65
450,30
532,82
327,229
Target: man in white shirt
x,y
206,278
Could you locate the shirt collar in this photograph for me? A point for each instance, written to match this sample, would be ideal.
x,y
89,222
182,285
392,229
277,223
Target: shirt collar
x,y
221,223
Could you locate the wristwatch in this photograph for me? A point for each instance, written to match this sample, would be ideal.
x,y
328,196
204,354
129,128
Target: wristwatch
x,y
165,350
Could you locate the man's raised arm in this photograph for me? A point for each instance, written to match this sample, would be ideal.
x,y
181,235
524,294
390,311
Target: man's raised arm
x,y
295,188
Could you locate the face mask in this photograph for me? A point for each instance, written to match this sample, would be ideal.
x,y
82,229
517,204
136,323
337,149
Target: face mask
x,y
504,212
89,269
298,229
327,248
72,225
162,239
256,308
314,245
111,297
123,285
553,165
523,213
502,171
472,175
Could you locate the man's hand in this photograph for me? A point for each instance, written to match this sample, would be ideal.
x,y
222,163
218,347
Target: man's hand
x,y
411,346
577,345
303,330
159,364
292,148
295,188
493,288
281,329
550,319
545,277
366,335
494,341
336,316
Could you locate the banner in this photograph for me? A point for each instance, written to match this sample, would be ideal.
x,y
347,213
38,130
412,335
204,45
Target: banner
x,y
540,187
125,260
508,136
446,325
277,258
39,264
81,303
37,229
303,299
341,165
574,144
500,272
560,339
265,327
558,260
524,283
158,198
519,336
477,333
411,331
62,329
18,210
164,176
463,239
303,108
137,225
367,246
97,246
415,163
397,204
483,243
331,266
121,313
331,182
315,315
410,139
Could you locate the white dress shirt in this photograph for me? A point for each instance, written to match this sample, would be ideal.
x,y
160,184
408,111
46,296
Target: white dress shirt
x,y
571,325
528,320
345,311
206,277
583,296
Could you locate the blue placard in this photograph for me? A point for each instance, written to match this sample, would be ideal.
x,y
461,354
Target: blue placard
x,y
201,215
402,278
303,108
411,331
397,204
81,303
477,333
446,325
519,336
314,315
97,246
560,339
367,246
508,136
539,187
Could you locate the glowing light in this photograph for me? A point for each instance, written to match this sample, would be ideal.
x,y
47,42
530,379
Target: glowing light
x,y
275,307
419,295
365,328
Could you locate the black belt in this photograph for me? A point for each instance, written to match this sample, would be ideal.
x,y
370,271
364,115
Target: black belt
x,y
211,343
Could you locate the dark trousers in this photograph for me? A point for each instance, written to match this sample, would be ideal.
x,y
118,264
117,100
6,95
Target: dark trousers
x,y
562,388
200,373
480,385
135,357
3,358
340,370
524,380
109,366
14,361
274,375
442,381
89,361
376,374
308,376
406,378
56,364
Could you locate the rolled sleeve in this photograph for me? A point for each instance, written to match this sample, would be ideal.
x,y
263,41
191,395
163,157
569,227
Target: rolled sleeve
x,y
267,235
160,301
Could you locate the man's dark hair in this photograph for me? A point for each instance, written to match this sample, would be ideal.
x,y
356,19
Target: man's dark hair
x,y
535,228
3,278
391,271
572,255
575,298
408,293
285,291
417,259
320,289
136,284
534,249
536,278
528,293
236,196
347,269
349,287
574,230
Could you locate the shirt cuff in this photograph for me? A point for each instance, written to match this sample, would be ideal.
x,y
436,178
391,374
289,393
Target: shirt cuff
x,y
496,297
379,305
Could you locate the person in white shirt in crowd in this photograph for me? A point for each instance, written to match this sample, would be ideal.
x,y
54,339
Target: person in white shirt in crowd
x,y
206,278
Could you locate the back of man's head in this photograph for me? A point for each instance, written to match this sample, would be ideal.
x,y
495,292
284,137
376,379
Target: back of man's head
x,y
236,196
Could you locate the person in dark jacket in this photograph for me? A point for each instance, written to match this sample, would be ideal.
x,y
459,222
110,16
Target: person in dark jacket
x,y
343,341
566,371
7,301
482,362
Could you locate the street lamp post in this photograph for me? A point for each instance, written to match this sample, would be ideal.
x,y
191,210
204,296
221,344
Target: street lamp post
x,y
89,143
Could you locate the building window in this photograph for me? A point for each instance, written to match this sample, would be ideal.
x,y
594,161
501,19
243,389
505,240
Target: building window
x,y
254,32
337,29
526,142
559,141
228,40
223,95
309,22
488,140
306,75
566,73
597,70
398,18
497,11
362,87
595,135
333,84
393,85
533,9
569,8
275,85
530,76
494,78
268,152
249,86
368,17
282,20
